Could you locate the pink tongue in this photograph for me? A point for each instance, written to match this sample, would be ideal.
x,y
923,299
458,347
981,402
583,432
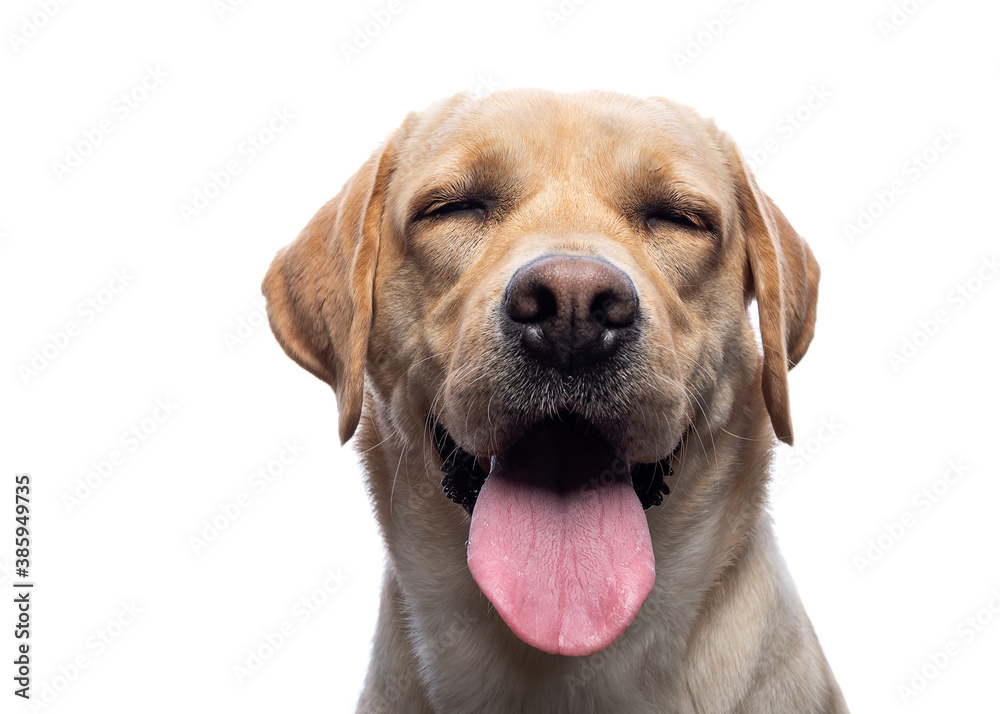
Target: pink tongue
x,y
562,553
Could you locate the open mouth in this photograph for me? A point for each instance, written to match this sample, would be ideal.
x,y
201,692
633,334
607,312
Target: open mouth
x,y
465,473
559,540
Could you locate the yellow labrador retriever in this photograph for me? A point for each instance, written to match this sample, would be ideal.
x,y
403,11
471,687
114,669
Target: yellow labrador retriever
x,y
534,311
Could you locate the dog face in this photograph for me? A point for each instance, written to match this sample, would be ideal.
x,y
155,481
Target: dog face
x,y
553,290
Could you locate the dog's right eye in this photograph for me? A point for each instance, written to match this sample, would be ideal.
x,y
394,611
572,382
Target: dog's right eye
x,y
452,208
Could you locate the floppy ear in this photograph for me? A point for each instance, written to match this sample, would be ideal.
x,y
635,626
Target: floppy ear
x,y
319,287
784,277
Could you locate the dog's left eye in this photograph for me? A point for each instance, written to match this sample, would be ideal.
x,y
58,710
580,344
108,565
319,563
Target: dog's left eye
x,y
656,216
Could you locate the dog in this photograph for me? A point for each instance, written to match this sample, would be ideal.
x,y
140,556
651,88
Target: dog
x,y
547,298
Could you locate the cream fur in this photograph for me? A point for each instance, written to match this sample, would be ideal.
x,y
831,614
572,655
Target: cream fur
x,y
723,629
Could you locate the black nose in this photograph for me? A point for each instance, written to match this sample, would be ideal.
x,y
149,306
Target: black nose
x,y
571,310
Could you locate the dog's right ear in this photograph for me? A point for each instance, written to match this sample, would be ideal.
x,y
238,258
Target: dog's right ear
x,y
319,287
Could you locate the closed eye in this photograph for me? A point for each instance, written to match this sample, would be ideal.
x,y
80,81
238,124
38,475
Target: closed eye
x,y
654,217
456,208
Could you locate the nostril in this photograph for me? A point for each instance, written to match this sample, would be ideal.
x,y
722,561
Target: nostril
x,y
532,304
547,305
613,309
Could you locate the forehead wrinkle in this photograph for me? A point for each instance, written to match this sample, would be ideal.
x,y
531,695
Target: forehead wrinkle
x,y
610,140
481,165
665,176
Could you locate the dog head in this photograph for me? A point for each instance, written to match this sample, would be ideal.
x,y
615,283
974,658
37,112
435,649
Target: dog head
x,y
553,290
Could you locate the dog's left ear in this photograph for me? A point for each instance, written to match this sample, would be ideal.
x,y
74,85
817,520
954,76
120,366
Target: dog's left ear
x,y
784,277
319,289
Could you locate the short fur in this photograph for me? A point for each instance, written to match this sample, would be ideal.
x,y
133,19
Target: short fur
x,y
397,312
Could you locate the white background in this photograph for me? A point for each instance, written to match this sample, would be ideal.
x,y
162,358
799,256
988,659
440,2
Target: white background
x,y
872,433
